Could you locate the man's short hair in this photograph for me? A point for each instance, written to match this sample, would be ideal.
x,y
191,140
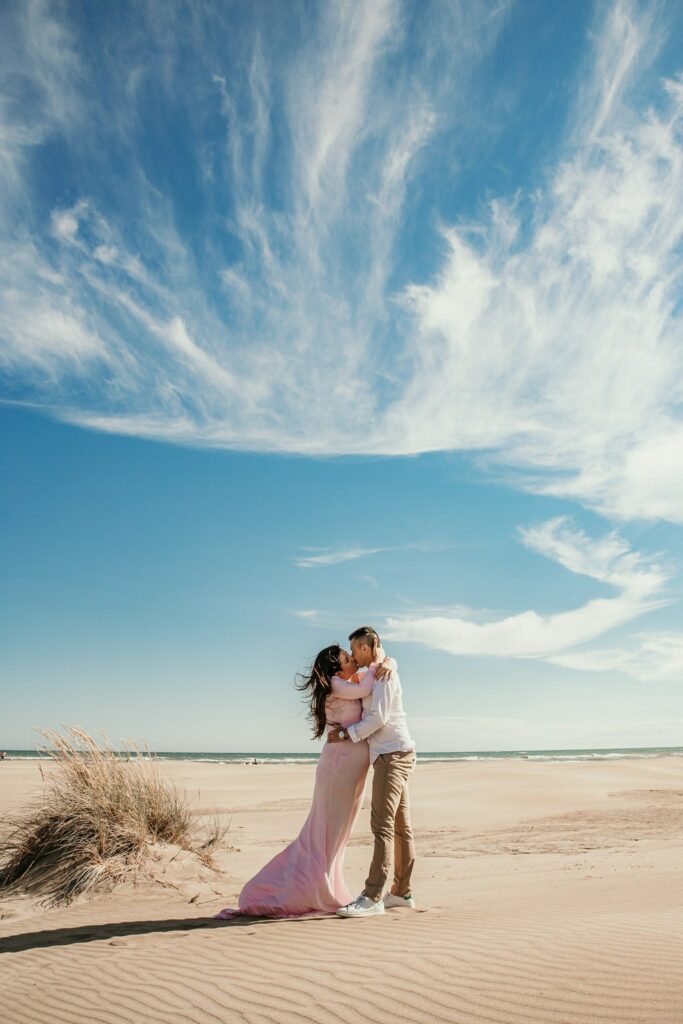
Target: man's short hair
x,y
366,633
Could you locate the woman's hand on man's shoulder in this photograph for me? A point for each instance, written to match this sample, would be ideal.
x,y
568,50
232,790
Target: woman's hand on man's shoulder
x,y
386,668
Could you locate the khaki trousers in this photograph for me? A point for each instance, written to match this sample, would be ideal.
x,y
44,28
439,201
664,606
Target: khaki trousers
x,y
390,824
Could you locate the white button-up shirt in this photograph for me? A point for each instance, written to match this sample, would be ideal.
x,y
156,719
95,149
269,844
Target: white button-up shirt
x,y
383,723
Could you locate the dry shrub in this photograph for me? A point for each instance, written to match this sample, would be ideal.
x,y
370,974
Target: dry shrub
x,y
100,812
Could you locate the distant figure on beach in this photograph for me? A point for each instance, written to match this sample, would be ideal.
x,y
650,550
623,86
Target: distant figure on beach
x,y
307,876
2,755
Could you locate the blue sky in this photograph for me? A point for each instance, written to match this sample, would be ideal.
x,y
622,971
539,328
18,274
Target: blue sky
x,y
321,314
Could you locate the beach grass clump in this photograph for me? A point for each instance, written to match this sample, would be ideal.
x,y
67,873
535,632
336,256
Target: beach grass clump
x,y
96,822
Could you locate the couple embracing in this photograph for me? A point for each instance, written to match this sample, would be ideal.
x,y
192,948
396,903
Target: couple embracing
x,y
355,699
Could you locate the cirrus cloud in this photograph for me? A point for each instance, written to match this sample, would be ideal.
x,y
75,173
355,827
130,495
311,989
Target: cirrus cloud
x,y
543,334
639,583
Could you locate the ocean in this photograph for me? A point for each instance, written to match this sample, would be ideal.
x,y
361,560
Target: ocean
x,y
298,757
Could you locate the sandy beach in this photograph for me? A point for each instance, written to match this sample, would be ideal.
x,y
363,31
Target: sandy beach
x,y
547,892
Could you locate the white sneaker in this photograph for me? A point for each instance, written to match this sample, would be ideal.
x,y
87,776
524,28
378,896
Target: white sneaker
x,y
362,906
399,901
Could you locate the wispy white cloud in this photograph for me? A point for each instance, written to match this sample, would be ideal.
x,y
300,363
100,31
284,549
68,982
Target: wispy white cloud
x,y
608,559
41,94
529,634
50,331
330,97
554,342
304,304
547,340
326,620
335,557
656,657
627,41
329,556
370,580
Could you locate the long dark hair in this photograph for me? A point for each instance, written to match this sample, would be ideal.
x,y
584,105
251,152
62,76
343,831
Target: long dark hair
x,y
317,685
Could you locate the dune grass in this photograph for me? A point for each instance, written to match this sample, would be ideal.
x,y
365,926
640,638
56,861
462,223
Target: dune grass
x,y
100,813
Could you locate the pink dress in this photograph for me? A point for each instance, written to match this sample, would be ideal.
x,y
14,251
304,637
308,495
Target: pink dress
x,y
308,875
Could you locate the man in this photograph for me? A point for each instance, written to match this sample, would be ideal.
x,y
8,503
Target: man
x,y
392,755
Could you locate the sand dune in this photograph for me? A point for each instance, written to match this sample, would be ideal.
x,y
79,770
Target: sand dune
x,y
548,893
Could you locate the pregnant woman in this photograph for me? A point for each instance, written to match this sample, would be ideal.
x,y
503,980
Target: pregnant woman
x,y
308,874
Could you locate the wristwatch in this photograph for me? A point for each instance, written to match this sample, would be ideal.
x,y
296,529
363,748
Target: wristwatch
x,y
342,734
